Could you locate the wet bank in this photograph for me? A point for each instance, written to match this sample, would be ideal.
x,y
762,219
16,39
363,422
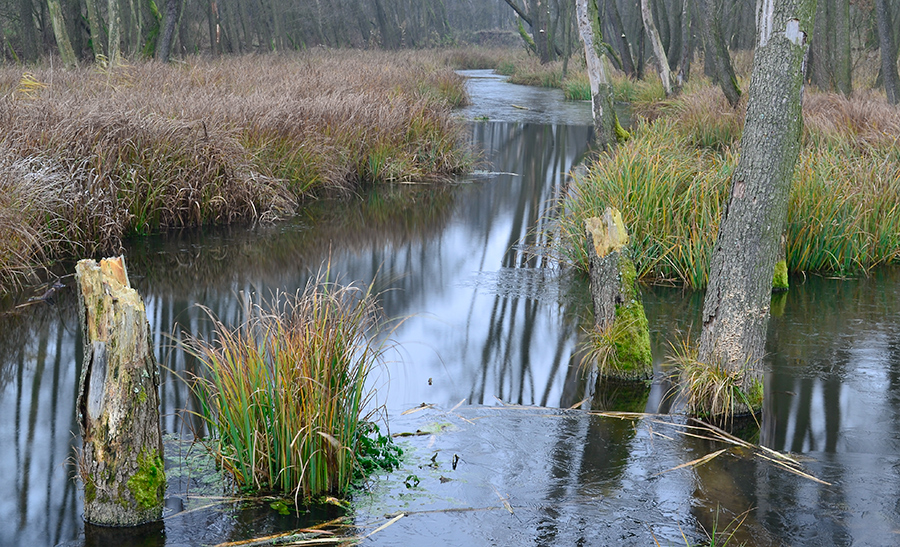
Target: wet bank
x,y
483,323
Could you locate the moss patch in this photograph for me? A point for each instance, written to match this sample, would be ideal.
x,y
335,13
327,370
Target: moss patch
x,y
780,278
631,334
148,485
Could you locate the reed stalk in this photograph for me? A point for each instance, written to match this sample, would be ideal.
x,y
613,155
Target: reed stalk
x,y
284,395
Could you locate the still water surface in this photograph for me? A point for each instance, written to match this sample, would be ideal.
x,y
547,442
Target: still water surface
x,y
488,325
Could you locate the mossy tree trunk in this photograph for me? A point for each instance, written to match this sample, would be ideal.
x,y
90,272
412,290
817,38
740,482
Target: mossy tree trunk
x,y
121,462
605,123
736,308
620,321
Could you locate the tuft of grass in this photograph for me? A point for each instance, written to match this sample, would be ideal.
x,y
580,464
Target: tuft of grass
x,y
710,391
577,87
284,395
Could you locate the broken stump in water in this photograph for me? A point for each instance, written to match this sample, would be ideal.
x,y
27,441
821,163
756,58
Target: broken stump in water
x,y
622,337
121,462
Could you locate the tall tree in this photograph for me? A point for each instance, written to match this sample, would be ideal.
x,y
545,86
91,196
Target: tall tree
x,y
888,51
736,308
114,13
164,49
716,50
605,123
59,31
659,53
96,29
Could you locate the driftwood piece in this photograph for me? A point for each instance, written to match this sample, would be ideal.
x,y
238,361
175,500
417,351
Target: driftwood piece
x,y
619,317
121,462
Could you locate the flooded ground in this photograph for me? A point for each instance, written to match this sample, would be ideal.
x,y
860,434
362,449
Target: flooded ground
x,y
487,329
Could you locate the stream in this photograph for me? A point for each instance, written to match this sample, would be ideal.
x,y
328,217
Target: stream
x,y
508,444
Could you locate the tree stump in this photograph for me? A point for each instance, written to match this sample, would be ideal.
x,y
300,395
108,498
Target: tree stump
x,y
622,332
121,462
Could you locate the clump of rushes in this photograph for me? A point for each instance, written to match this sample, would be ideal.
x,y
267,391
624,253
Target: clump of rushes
x,y
671,180
235,139
710,391
284,395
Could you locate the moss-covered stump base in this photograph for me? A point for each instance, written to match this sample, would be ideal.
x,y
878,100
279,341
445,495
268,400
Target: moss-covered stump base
x,y
121,461
621,341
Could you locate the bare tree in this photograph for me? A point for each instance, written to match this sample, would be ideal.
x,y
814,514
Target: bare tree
x,y
601,90
659,53
736,308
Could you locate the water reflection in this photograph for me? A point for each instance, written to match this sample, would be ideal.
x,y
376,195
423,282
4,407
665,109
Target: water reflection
x,y
485,321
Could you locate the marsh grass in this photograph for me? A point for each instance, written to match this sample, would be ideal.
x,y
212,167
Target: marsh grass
x,y
284,394
671,180
149,147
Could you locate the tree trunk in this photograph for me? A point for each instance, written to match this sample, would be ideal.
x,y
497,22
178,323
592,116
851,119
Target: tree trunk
x,y
121,462
59,31
29,32
96,29
618,312
736,308
165,44
888,56
662,62
601,90
687,44
540,30
716,50
842,64
115,32
620,39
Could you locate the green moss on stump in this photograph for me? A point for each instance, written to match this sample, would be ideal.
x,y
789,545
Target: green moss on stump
x,y
631,331
148,485
780,278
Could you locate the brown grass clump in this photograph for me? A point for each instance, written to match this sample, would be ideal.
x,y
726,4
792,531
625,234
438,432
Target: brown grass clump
x,y
865,119
140,148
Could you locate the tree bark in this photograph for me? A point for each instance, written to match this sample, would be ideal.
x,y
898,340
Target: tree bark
x,y
618,312
662,62
620,39
601,90
842,64
59,31
96,29
736,307
29,32
687,44
888,52
716,50
121,462
115,32
165,44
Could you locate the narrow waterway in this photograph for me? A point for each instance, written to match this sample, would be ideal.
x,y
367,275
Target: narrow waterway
x,y
485,323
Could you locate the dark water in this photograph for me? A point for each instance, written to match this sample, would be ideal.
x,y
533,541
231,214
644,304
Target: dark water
x,y
488,324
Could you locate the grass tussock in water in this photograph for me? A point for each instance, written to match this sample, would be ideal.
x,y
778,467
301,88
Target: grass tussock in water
x,y
284,394
145,147
670,182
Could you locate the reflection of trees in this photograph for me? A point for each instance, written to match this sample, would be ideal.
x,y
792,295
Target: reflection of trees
x,y
833,338
515,321
38,367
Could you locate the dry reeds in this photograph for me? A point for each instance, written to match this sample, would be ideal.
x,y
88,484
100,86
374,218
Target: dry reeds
x,y
284,394
222,141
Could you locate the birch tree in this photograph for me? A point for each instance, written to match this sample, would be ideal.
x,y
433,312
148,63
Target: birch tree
x,y
736,308
601,91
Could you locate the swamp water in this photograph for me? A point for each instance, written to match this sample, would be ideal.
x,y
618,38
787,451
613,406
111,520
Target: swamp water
x,y
496,330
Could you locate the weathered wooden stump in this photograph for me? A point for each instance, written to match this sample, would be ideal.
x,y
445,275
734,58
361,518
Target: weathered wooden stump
x,y
619,316
121,462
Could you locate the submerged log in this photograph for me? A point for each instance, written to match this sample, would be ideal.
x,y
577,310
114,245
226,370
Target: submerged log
x,y
620,323
121,462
